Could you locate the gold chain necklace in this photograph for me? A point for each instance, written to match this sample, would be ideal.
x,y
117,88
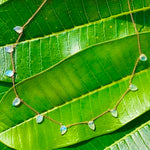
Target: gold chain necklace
x,y
40,117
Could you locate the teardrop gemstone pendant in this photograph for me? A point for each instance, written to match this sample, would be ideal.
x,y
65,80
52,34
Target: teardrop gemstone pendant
x,y
114,113
16,102
63,129
39,119
143,57
9,49
18,29
9,73
91,125
133,87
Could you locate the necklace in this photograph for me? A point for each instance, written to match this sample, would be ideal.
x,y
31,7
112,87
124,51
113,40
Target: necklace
x,y
63,128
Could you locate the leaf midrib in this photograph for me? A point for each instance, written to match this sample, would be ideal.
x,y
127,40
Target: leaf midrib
x,y
75,99
84,25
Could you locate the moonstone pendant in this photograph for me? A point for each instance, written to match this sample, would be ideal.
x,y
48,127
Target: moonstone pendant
x,y
9,49
39,119
63,129
114,113
133,87
91,125
18,29
16,101
143,57
9,73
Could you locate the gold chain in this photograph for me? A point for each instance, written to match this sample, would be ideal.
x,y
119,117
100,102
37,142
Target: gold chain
x,y
91,124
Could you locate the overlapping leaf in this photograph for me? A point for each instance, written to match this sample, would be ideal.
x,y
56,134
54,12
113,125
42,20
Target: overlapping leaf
x,y
49,90
105,141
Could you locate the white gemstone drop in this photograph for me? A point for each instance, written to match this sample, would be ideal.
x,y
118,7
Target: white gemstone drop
x,y
114,113
143,57
18,29
133,87
16,101
63,129
39,119
9,49
91,125
9,73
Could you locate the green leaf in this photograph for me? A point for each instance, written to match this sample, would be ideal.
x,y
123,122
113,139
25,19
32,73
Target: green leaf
x,y
4,87
139,138
88,95
4,147
38,54
105,141
58,15
31,56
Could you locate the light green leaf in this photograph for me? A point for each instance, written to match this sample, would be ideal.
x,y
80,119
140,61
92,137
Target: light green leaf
x,y
105,141
85,96
3,1
139,138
